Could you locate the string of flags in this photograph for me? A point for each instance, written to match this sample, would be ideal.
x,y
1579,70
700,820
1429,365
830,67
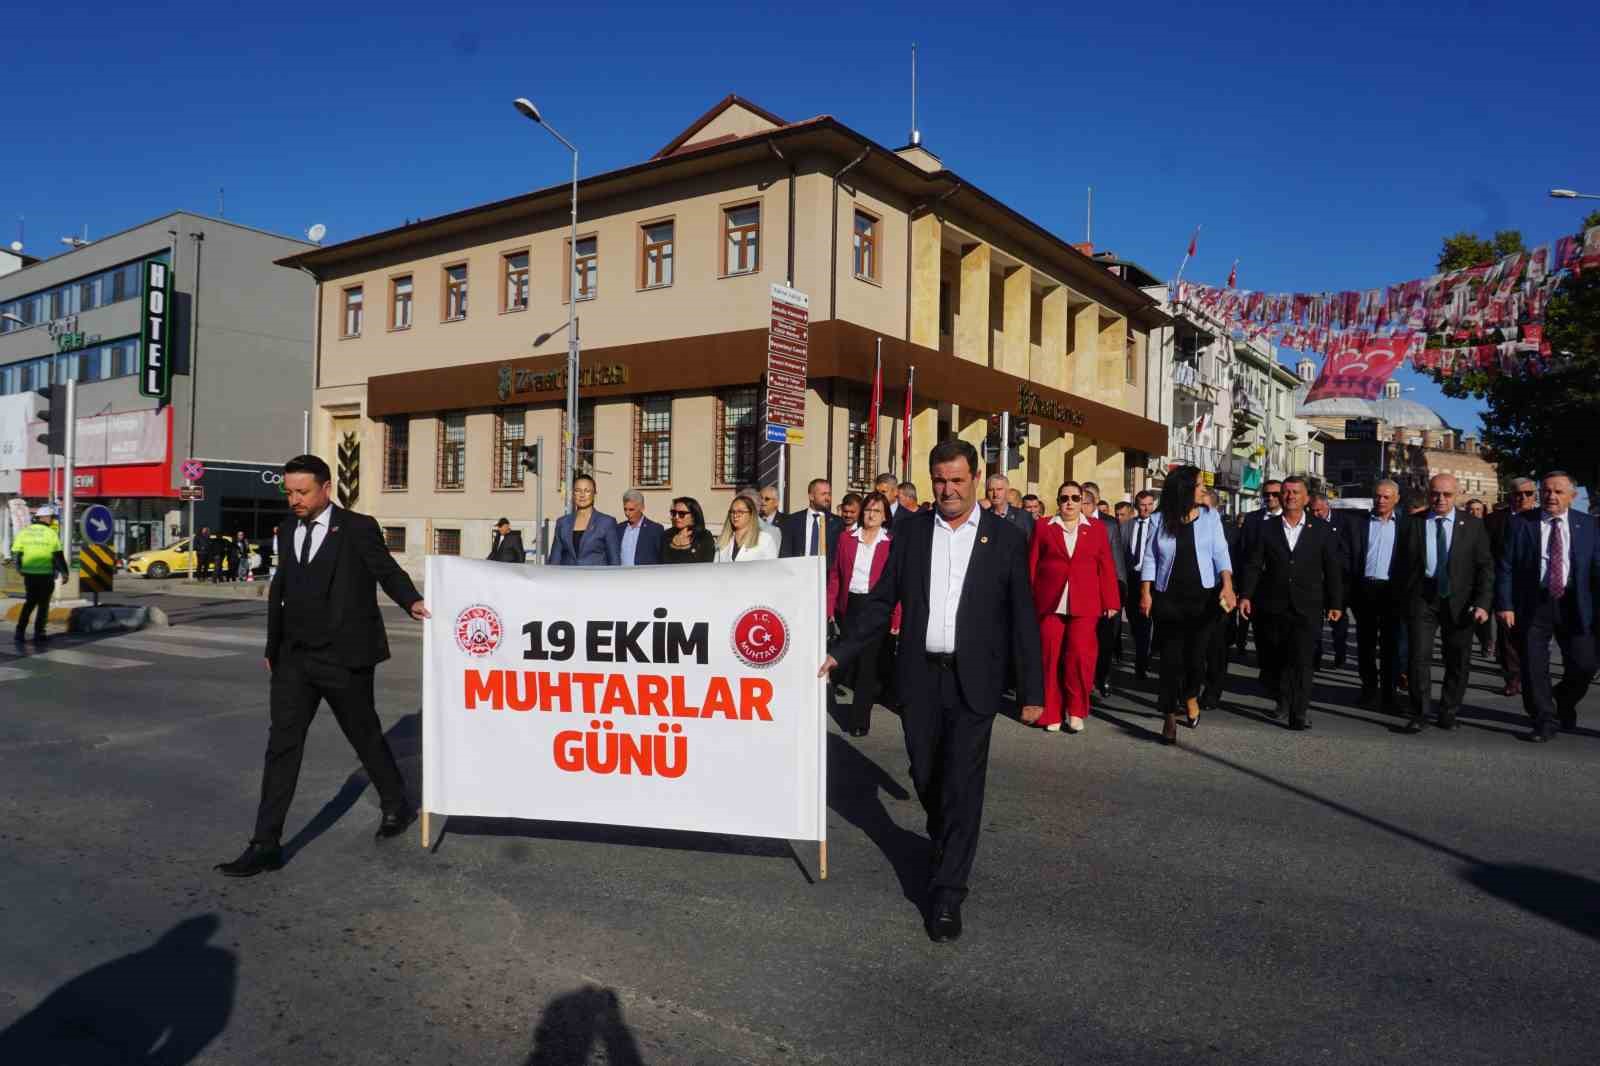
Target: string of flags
x,y
1488,317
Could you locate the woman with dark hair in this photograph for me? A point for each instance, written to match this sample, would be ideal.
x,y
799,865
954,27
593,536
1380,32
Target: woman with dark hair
x,y
1182,566
855,568
583,535
691,541
1074,582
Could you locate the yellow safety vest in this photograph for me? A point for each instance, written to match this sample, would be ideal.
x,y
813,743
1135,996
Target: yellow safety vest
x,y
37,544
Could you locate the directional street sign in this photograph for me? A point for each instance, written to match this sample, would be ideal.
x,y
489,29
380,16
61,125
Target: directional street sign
x,y
193,470
788,356
97,525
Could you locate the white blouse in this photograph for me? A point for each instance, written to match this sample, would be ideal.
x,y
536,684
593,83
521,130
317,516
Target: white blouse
x,y
1070,536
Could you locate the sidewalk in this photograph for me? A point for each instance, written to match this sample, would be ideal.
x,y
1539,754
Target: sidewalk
x,y
181,586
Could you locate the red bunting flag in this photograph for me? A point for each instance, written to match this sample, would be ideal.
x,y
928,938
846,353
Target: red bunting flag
x,y
1233,274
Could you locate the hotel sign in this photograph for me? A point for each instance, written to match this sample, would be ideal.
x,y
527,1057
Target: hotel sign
x,y
515,382
1031,405
155,349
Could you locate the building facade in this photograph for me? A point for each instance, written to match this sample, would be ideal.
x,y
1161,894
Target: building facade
x,y
234,332
1192,394
433,369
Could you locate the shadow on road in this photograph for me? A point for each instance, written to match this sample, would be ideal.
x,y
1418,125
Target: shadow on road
x,y
572,1024
405,740
163,1005
855,785
1566,899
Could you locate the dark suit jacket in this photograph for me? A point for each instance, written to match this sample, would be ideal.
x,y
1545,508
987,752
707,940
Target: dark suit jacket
x,y
507,549
361,563
1471,566
796,532
1517,586
1124,533
597,547
647,552
1250,531
995,621
1358,538
1305,582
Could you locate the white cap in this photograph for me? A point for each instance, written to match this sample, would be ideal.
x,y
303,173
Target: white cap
x,y
47,511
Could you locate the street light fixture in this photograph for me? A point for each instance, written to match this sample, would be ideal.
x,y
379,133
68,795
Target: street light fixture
x,y
1573,194
529,111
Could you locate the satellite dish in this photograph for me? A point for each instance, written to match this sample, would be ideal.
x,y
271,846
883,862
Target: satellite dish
x,y
317,232
16,246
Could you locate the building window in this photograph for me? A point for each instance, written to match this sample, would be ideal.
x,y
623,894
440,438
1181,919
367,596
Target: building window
x,y
447,542
394,538
741,239
510,432
586,271
652,441
397,453
655,255
455,292
867,233
585,441
352,311
860,462
400,302
452,469
737,435
516,288
947,314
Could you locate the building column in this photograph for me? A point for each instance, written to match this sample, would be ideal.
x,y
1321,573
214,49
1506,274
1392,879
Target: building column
x,y
1052,465
1050,367
1113,355
972,329
926,231
924,435
1083,366
1017,288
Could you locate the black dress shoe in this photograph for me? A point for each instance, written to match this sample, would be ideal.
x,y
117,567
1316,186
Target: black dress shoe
x,y
257,859
394,823
1569,721
1275,711
1538,736
1447,722
1410,728
944,923
859,731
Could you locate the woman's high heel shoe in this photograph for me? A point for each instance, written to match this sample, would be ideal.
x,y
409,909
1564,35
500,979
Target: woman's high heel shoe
x,y
1169,729
1193,706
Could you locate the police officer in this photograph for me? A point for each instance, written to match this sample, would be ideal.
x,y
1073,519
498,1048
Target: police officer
x,y
37,550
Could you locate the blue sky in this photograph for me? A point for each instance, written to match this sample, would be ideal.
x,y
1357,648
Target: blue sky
x,y
1326,148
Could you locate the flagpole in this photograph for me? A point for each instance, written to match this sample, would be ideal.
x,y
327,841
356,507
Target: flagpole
x,y
1193,241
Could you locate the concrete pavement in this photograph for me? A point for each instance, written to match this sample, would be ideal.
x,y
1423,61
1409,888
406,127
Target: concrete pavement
x,y
1255,895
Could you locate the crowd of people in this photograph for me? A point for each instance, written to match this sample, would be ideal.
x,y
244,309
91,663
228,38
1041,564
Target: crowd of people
x,y
220,558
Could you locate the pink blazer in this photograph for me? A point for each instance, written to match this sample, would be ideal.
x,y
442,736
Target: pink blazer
x,y
843,567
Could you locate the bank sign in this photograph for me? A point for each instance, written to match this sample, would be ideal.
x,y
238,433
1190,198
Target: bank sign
x,y
155,349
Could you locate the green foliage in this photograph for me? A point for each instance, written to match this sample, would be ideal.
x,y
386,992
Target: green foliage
x,y
1463,250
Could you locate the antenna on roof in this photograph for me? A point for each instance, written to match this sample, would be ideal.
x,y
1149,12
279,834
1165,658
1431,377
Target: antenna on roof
x,y
916,134
1088,222
221,212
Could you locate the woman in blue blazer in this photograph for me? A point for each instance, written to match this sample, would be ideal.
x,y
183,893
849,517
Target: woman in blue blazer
x,y
1182,566
584,536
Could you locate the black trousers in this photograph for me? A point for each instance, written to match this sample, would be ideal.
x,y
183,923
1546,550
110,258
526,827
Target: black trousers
x,y
1377,637
1554,619
1429,615
1338,639
1289,641
1216,672
948,744
39,588
302,679
866,675
1109,633
1186,626
1139,626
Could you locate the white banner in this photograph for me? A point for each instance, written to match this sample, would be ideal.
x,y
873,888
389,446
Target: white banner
x,y
674,697
116,439
16,412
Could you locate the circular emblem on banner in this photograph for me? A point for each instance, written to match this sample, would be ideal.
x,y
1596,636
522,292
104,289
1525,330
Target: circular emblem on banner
x,y
760,637
478,630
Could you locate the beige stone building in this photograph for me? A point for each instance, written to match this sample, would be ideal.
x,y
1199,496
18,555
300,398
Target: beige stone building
x,y
429,380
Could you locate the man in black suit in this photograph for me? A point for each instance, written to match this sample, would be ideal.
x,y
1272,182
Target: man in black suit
x,y
1216,676
802,531
1522,495
1250,532
889,485
1136,533
324,637
507,544
1446,586
961,578
997,487
1339,631
202,553
1371,542
1108,631
1291,583
636,538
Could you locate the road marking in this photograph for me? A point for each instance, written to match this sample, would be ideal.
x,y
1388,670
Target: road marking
x,y
155,646
207,636
84,658
12,673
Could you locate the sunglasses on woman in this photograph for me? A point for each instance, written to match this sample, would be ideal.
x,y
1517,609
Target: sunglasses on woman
x,y
675,513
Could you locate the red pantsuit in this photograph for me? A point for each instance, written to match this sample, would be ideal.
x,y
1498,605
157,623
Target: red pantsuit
x,y
1084,583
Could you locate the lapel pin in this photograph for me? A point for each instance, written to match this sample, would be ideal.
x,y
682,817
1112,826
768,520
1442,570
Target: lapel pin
x,y
983,540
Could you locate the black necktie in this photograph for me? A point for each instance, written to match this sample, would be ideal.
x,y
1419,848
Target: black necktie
x,y
1441,552
1138,540
306,525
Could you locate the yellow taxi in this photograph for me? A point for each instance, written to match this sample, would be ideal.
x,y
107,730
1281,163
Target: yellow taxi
x,y
175,558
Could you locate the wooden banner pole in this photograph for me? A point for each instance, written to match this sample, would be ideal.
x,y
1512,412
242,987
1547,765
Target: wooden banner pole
x,y
425,827
822,860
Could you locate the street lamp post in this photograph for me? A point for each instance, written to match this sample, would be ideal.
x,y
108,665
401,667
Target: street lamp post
x,y
1571,194
525,106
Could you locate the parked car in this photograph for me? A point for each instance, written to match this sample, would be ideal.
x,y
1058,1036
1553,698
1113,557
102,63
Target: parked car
x,y
175,558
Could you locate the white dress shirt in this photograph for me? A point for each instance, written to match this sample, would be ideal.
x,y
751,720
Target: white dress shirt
x,y
861,573
1545,522
952,552
1069,534
1293,532
319,532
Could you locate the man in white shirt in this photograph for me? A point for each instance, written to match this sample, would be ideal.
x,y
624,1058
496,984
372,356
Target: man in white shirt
x,y
1136,533
961,577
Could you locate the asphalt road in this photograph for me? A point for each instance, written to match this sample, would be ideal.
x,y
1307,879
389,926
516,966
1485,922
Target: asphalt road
x,y
1253,896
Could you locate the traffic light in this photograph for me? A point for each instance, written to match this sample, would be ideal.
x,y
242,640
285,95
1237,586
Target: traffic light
x,y
530,459
1019,432
54,438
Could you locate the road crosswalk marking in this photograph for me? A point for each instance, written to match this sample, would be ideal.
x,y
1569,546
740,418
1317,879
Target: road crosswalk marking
x,y
207,636
12,673
71,657
173,648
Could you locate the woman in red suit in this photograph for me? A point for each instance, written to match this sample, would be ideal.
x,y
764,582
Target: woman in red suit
x,y
855,568
1074,586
